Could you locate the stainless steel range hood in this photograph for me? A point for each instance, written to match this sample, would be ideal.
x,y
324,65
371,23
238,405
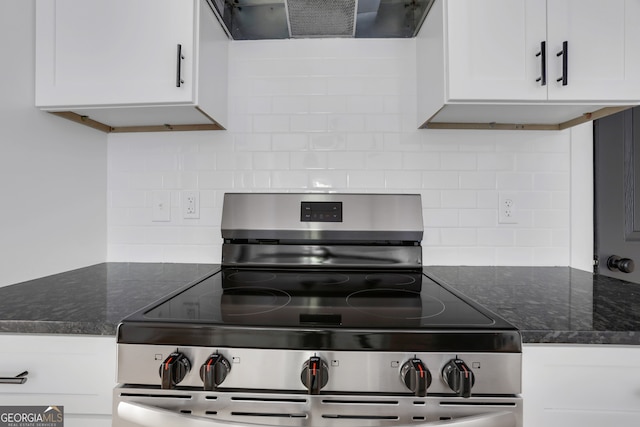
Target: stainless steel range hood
x,y
283,19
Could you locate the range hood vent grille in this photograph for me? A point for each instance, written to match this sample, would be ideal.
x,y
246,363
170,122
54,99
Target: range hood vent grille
x,y
321,18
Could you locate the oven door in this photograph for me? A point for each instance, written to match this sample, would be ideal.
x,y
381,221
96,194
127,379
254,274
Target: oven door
x,y
183,408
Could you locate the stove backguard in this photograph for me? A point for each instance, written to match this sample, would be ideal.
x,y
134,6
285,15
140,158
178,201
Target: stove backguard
x,y
322,230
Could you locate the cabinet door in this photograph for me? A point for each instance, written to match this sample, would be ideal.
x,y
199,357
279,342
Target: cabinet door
x,y
603,61
581,385
77,372
113,52
492,47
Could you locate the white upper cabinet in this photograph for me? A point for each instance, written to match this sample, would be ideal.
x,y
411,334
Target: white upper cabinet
x,y
535,62
132,64
492,46
603,41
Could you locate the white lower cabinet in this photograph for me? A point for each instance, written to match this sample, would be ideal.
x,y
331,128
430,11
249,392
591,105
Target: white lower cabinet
x,y
77,372
581,385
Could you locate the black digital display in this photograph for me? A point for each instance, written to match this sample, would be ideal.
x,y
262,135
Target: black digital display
x,y
321,211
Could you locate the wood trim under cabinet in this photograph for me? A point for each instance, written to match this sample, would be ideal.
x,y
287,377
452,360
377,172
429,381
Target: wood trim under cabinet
x,y
87,121
587,117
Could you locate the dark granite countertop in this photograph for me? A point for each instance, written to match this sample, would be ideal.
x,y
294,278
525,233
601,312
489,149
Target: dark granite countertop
x,y
553,304
90,300
548,304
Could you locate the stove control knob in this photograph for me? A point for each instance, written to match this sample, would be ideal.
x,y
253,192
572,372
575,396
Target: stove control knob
x,y
214,370
458,377
415,375
315,374
174,369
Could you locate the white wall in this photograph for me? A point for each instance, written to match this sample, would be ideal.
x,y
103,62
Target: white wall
x,y
339,115
52,172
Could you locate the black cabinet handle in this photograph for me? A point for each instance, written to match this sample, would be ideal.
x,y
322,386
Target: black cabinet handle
x,y
565,64
21,378
179,80
543,64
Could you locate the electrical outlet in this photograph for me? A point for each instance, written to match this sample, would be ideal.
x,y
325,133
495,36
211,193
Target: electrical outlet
x,y
191,204
507,208
161,206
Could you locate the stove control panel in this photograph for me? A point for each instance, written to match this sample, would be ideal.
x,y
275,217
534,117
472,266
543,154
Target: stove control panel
x,y
416,377
214,371
321,371
458,377
173,370
315,374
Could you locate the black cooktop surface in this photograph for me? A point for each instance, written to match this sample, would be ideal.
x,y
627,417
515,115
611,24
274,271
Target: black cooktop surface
x,y
351,310
343,299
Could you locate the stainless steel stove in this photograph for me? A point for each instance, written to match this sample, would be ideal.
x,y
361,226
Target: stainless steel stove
x,y
320,315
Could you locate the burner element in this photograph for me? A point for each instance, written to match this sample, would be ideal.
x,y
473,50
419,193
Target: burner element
x,y
248,301
395,304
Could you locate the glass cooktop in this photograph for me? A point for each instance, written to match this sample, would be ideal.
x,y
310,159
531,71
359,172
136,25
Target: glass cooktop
x,y
307,298
395,310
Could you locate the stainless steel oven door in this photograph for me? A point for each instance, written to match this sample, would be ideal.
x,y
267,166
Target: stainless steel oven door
x,y
147,407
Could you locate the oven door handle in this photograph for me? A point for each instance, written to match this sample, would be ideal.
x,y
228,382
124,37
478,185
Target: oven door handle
x,y
149,416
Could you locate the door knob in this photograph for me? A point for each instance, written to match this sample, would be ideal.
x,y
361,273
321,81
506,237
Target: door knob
x,y
625,265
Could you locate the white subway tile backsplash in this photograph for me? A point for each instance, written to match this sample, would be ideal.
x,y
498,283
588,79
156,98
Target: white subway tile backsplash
x,y
309,123
496,161
330,142
478,218
533,238
441,218
560,200
420,161
365,180
430,198
492,237
212,180
346,123
551,219
127,198
379,160
290,180
308,160
328,180
556,256
515,256
383,123
271,123
459,199
458,161
458,237
364,104
514,181
487,199
402,181
259,105
339,115
290,104
478,180
252,142
365,142
290,141
271,160
328,104
551,181
347,160
234,161
440,180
